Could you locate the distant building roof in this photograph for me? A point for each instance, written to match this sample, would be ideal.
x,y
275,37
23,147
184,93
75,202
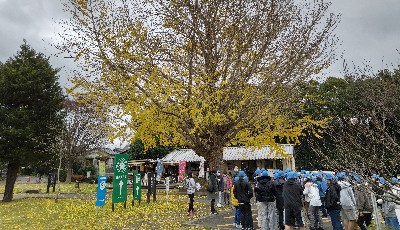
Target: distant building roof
x,y
187,155
103,152
249,153
232,153
122,150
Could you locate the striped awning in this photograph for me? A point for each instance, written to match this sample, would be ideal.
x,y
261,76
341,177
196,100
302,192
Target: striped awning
x,y
187,155
250,153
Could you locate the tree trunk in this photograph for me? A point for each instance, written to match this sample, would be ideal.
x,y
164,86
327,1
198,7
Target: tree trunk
x,y
214,158
69,171
12,172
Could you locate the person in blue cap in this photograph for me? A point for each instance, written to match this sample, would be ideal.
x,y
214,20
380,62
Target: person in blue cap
x,y
292,196
266,195
333,202
243,192
279,182
322,187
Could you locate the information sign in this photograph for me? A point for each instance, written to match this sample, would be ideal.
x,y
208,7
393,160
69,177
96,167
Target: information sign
x,y
137,187
120,179
101,191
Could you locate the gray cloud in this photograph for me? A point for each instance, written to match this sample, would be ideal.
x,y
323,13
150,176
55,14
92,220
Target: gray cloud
x,y
369,30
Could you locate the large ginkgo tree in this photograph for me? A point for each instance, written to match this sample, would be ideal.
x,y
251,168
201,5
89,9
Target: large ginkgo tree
x,y
200,73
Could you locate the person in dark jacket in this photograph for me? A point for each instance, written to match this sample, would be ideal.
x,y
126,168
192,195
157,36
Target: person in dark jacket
x,y
212,189
333,202
243,193
279,182
292,197
266,194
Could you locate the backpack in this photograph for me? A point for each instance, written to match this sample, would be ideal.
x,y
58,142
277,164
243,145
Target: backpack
x,y
265,192
189,185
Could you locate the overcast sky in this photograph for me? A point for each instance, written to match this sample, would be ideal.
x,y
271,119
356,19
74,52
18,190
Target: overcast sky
x,y
369,31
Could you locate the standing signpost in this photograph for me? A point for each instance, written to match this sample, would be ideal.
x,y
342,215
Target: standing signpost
x,y
167,186
102,168
120,180
101,192
137,188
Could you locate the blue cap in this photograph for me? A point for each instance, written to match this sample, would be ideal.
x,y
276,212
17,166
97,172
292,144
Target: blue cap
x,y
245,178
341,175
258,171
236,179
263,169
382,180
241,174
292,175
276,176
395,180
264,173
329,176
288,170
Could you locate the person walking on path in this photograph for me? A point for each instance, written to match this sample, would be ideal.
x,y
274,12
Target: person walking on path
x,y
266,194
333,202
322,187
212,189
292,196
235,204
191,188
348,203
243,192
364,206
312,192
279,177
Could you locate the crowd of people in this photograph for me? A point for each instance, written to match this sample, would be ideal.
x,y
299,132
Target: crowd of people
x,y
303,199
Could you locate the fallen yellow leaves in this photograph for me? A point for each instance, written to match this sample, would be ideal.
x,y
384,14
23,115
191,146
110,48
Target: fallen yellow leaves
x,y
44,213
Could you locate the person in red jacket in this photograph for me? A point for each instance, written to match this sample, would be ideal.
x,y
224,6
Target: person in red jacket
x,y
228,185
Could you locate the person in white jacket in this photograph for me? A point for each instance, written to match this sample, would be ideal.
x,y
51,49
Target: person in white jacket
x,y
348,203
311,193
191,188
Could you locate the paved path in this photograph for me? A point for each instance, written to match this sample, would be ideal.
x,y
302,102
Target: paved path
x,y
224,220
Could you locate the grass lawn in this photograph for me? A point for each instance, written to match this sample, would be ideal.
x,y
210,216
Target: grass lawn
x,y
84,188
46,213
